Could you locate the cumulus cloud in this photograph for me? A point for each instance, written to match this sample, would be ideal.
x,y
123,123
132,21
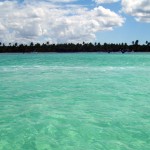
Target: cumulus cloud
x,y
42,21
140,9
106,1
52,1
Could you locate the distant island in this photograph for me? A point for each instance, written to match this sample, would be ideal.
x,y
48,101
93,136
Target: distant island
x,y
71,47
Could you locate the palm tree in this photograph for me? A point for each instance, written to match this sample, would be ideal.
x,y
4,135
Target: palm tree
x,y
137,42
132,42
136,45
31,44
47,43
16,44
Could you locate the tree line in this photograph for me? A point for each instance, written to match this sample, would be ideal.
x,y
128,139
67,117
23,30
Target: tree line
x,y
71,47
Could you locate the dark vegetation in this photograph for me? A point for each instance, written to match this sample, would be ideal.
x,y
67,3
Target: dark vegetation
x,y
70,47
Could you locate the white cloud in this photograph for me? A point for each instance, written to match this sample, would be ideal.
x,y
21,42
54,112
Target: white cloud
x,y
53,1
63,1
106,1
44,21
140,9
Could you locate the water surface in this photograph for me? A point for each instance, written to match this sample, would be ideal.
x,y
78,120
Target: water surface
x,y
81,101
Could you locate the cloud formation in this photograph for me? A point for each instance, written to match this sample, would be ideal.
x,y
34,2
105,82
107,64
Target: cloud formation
x,y
41,21
140,9
106,1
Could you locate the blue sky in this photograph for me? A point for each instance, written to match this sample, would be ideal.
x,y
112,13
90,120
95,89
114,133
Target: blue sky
x,y
59,21
130,31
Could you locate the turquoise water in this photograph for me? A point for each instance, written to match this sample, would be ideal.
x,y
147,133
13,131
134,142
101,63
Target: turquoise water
x,y
84,101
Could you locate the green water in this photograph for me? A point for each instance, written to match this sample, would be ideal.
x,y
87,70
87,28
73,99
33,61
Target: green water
x,y
85,101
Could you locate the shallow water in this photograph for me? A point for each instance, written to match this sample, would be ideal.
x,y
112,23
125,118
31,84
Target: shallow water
x,y
81,101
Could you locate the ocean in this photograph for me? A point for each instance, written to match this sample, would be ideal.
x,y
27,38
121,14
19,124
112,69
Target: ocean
x,y
75,101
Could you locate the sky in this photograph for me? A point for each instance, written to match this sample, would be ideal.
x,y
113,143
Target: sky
x,y
74,21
